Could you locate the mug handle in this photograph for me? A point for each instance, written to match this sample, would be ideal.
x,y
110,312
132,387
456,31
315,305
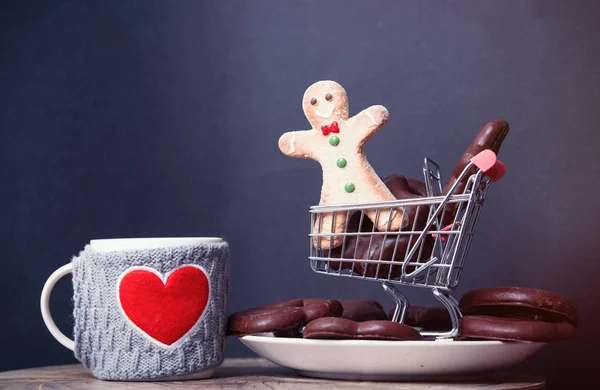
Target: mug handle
x,y
45,305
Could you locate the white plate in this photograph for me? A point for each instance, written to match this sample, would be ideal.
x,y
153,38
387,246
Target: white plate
x,y
390,360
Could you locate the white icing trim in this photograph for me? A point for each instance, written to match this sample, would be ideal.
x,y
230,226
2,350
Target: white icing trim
x,y
293,143
327,115
164,279
371,117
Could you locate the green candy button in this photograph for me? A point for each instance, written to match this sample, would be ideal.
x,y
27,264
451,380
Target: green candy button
x,y
341,162
334,140
349,187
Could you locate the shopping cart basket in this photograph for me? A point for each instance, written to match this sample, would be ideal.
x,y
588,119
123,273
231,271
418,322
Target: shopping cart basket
x,y
430,252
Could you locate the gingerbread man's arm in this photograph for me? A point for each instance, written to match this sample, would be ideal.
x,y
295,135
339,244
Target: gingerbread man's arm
x,y
368,121
296,144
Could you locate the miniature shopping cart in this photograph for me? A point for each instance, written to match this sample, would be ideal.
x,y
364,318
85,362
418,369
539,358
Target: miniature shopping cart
x,y
429,252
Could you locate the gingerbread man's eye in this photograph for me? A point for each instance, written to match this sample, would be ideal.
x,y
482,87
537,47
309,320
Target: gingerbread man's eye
x,y
313,101
328,97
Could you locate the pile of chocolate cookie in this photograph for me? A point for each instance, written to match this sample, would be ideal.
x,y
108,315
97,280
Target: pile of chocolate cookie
x,y
389,247
500,313
508,314
321,319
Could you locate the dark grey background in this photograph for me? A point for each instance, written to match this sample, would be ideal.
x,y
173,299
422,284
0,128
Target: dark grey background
x,y
157,118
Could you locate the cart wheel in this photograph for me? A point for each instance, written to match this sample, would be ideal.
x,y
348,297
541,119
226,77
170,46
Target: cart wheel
x,y
399,299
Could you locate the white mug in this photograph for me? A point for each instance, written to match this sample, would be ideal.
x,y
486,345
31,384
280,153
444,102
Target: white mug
x,y
147,308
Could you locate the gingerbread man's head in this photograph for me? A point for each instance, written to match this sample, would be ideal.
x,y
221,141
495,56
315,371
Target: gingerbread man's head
x,y
325,102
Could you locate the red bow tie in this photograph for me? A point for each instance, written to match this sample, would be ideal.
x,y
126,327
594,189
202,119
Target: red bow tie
x,y
332,128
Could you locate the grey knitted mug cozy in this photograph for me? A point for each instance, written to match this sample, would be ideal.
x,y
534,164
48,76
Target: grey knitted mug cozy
x,y
113,349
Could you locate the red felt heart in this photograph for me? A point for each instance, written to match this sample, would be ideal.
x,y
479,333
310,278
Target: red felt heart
x,y
165,308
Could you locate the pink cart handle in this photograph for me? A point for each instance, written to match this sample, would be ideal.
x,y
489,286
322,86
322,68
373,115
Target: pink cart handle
x,y
488,163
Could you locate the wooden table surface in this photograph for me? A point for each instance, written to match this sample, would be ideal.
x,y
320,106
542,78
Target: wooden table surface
x,y
251,373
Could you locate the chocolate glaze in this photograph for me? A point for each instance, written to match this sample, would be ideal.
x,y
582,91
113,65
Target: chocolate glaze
x,y
362,310
341,328
514,329
519,302
490,136
355,310
277,317
428,318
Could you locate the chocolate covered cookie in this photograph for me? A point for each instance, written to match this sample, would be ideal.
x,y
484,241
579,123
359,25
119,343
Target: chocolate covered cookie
x,y
519,302
362,310
490,136
355,310
514,329
428,318
281,316
341,328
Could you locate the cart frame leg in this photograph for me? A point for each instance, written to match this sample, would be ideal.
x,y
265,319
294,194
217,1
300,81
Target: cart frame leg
x,y
399,299
451,305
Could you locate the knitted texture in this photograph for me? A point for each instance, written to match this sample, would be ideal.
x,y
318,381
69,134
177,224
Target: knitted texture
x,y
107,344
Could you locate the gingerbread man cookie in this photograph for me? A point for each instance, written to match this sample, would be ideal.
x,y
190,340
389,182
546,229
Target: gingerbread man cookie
x,y
337,141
